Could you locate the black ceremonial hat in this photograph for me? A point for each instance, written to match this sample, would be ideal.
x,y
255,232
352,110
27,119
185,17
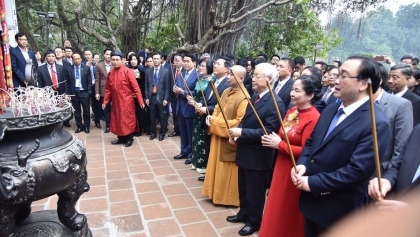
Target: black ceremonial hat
x,y
117,53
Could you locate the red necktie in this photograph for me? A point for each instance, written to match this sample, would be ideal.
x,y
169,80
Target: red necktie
x,y
54,78
256,99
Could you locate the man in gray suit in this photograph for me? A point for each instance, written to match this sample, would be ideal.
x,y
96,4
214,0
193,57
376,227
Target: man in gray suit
x,y
157,90
400,114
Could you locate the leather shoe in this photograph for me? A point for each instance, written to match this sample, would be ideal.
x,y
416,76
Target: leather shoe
x,y
152,137
174,134
129,143
247,230
78,130
106,130
98,125
66,125
87,130
161,137
117,142
201,178
180,156
235,219
188,161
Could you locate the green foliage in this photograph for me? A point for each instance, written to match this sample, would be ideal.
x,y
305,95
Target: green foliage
x,y
381,33
164,37
291,38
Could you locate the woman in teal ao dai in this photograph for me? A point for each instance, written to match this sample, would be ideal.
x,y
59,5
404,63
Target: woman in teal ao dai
x,y
199,154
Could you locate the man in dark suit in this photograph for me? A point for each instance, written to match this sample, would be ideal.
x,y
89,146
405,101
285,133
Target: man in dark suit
x,y
19,57
402,176
337,161
176,70
157,95
399,76
253,172
284,84
52,74
96,106
400,114
102,70
184,111
80,88
220,70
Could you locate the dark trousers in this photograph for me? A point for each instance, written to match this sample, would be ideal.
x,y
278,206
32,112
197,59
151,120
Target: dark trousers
x,y
207,140
80,103
156,111
125,138
106,112
143,117
186,132
96,106
312,229
174,101
252,186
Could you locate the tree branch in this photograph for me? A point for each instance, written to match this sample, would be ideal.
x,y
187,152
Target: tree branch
x,y
107,21
250,13
259,18
110,42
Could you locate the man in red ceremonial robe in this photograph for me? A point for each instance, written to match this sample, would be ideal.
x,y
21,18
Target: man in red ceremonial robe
x,y
121,86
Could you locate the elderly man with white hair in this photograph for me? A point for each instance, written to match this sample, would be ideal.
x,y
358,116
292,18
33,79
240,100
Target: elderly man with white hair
x,y
253,159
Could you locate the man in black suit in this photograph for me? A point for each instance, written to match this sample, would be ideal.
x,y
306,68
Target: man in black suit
x,y
52,74
253,172
337,160
176,70
399,76
96,106
220,71
19,57
157,95
283,85
402,177
80,88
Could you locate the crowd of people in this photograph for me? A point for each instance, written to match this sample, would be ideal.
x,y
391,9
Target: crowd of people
x,y
242,123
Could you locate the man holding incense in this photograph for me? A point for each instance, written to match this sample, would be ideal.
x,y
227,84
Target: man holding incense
x,y
254,161
337,161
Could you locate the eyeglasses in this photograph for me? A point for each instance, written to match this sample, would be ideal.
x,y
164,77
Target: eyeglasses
x,y
342,77
218,64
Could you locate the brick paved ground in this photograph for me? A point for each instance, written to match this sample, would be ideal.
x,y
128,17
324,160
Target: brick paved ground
x,y
143,191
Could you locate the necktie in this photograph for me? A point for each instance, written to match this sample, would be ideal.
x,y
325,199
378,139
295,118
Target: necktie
x,y
257,98
215,86
324,98
54,78
155,77
176,76
77,75
278,87
92,75
217,83
186,76
334,122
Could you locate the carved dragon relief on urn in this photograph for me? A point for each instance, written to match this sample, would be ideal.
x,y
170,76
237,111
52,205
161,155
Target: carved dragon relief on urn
x,y
38,158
